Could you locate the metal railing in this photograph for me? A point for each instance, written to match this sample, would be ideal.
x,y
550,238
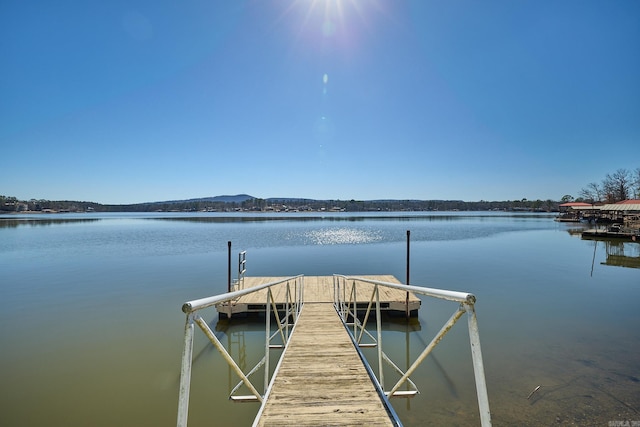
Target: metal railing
x,y
345,299
242,267
294,290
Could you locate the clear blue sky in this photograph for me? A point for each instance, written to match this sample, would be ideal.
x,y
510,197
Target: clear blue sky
x,y
133,101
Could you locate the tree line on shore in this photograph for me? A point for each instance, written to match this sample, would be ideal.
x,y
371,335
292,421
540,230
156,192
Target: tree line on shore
x,y
622,184
12,204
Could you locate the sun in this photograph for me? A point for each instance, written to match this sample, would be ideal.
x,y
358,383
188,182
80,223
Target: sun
x,y
344,20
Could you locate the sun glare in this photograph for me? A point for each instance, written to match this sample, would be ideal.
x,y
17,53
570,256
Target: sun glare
x,y
343,19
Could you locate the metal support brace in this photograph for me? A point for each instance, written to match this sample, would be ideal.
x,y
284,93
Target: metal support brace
x,y
214,340
185,373
366,318
277,316
446,328
478,367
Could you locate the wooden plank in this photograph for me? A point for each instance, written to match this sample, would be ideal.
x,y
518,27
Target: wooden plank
x,y
321,379
318,288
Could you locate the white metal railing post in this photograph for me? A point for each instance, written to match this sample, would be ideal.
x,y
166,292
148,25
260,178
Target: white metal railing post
x,y
478,366
379,328
336,294
242,267
296,296
335,297
345,308
185,372
287,312
341,296
267,338
300,296
342,291
355,308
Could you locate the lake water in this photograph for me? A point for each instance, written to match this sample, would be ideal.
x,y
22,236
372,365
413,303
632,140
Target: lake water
x,y
91,328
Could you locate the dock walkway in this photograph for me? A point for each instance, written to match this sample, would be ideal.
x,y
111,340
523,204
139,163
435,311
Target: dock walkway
x,y
321,379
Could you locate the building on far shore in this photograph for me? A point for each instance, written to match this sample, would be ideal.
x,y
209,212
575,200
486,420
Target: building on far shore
x,y
626,213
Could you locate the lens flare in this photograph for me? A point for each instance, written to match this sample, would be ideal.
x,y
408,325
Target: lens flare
x,y
340,23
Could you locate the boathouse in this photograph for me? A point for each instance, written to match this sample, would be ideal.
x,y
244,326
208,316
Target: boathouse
x,y
576,211
626,213
624,219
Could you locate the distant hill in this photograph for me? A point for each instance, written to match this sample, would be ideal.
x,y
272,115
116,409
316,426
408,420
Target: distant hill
x,y
238,198
291,200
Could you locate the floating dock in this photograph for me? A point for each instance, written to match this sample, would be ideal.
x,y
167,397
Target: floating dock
x,y
612,233
318,289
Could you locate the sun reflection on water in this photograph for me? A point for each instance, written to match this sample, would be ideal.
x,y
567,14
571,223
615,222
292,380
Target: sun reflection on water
x,y
341,236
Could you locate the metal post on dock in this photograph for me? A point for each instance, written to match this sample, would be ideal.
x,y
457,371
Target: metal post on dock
x,y
229,268
408,251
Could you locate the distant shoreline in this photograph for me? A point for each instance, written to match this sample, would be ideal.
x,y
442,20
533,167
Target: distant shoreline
x,y
310,212
247,203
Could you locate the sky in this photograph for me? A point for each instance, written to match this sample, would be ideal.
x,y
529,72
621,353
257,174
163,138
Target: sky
x,y
133,101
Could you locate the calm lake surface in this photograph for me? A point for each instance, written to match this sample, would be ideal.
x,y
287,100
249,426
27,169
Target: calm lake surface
x,y
91,328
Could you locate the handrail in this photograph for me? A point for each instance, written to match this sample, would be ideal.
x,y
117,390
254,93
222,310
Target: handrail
x,y
467,305
242,267
292,309
464,297
199,304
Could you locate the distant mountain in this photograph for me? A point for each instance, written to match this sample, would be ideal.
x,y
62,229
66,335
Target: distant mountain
x,y
238,198
412,200
291,200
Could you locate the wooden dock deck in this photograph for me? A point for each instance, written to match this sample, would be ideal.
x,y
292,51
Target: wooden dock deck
x,y
319,289
321,379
